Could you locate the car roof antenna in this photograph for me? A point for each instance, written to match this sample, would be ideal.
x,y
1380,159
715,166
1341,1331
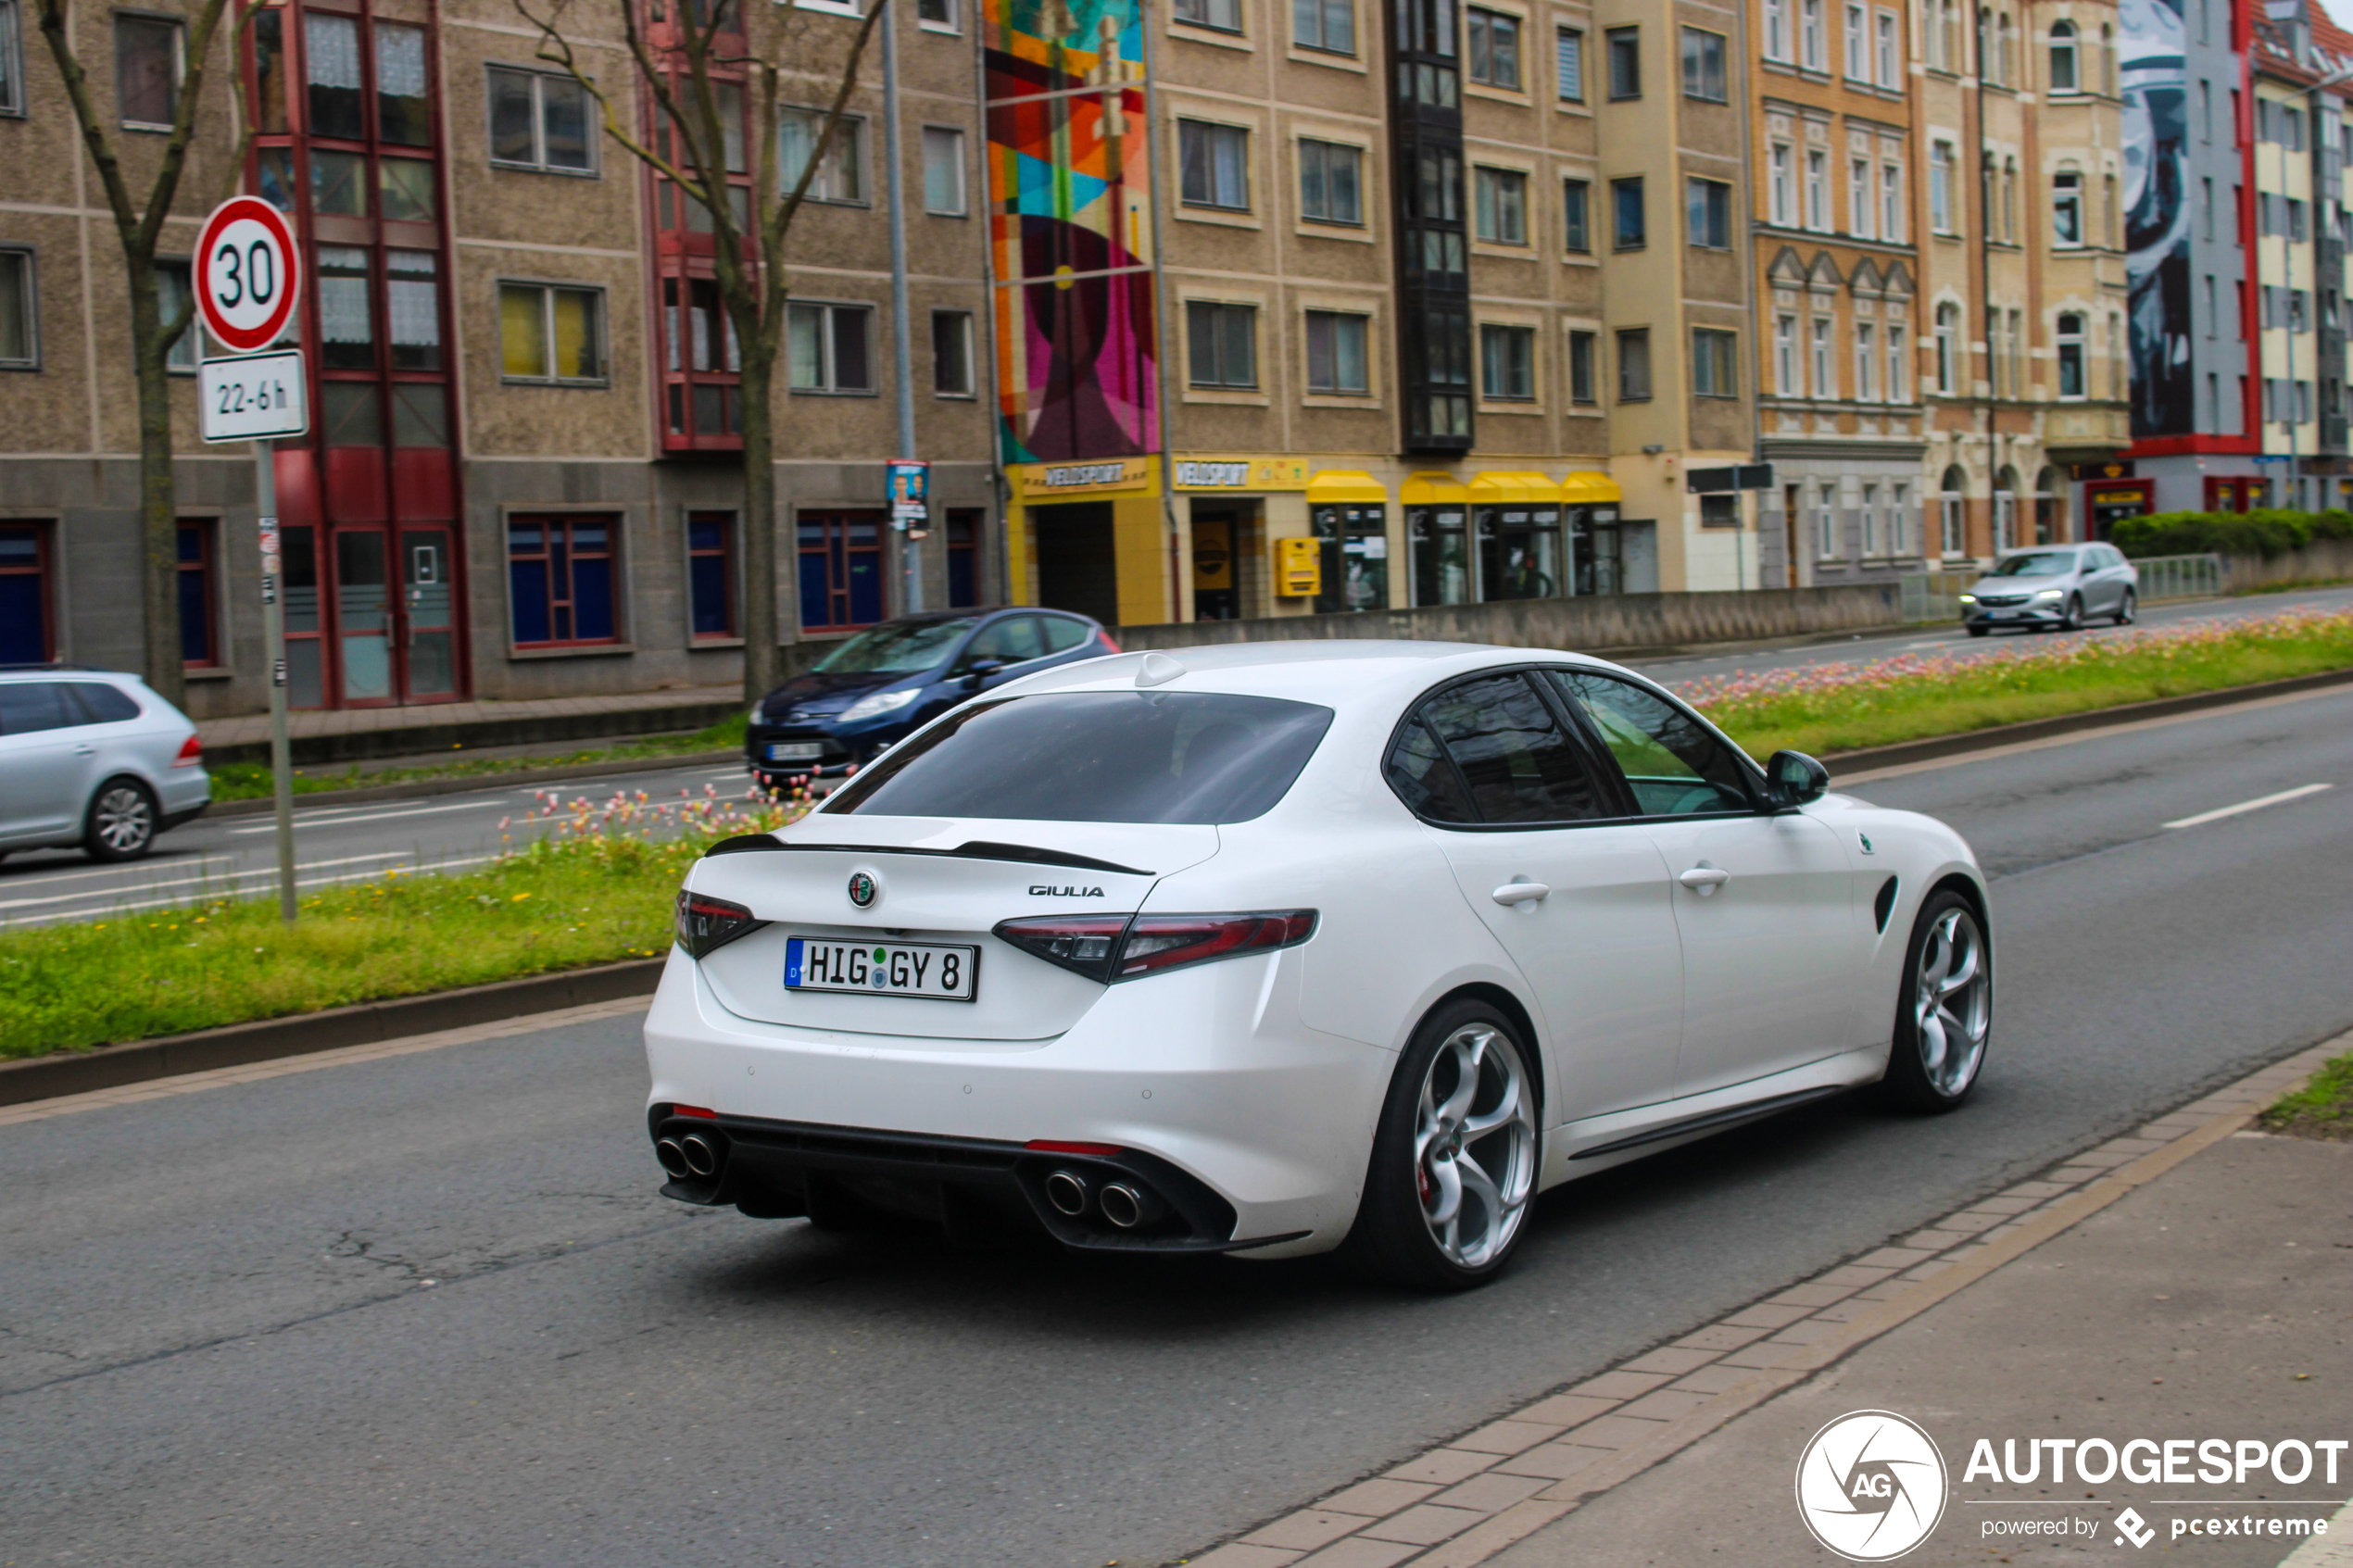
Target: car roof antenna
x,y
1157,669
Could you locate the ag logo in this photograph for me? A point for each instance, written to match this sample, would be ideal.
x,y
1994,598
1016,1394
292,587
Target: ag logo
x,y
863,889
1870,1486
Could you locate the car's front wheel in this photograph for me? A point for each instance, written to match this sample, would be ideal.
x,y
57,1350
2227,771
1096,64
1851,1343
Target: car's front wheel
x,y
2128,609
122,822
1454,1157
2071,618
1944,1019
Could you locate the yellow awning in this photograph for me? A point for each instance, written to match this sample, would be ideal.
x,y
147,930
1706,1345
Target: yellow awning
x,y
1591,489
1338,487
1433,489
1513,490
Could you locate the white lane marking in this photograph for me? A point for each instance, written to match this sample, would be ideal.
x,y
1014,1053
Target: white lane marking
x,y
2246,806
192,880
183,901
348,822
52,879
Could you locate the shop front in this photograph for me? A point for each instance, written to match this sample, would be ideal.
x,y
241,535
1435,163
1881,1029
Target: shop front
x,y
1590,505
1349,512
2108,502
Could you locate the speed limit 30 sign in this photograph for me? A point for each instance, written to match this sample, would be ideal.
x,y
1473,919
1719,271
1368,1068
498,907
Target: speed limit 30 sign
x,y
247,274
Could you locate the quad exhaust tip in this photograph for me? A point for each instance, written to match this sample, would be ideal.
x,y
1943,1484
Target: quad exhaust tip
x,y
673,1156
700,1154
1123,1205
1066,1190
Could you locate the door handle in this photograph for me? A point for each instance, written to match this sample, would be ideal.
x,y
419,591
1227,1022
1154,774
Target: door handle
x,y
81,750
1521,893
1704,879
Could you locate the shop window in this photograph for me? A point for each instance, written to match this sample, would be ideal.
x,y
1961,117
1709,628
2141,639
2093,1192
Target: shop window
x,y
199,635
1519,552
540,121
551,334
1326,25
710,573
1354,543
841,571
25,595
963,556
562,577
146,70
1441,555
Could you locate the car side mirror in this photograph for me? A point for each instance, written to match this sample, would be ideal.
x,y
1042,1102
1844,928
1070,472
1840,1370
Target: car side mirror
x,y
977,672
1791,779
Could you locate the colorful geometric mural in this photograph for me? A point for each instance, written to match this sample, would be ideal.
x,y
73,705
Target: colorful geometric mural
x,y
1070,220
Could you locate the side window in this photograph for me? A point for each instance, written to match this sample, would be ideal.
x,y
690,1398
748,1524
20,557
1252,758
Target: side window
x,y
1013,640
101,703
1425,781
1520,764
1675,766
28,706
1063,634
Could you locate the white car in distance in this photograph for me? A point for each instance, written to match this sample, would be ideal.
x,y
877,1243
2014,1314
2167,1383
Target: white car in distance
x,y
1274,948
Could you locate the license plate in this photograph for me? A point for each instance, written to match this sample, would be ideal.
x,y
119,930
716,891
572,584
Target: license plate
x,y
881,969
795,751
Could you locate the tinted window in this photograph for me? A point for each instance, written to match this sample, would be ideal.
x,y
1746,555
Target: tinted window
x,y
33,705
1520,764
1675,765
1098,756
1425,781
1014,640
1063,634
901,647
2036,563
102,703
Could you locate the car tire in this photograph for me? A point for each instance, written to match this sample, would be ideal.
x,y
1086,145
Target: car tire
x,y
122,822
1425,1182
2071,618
1945,1013
1978,631
2128,609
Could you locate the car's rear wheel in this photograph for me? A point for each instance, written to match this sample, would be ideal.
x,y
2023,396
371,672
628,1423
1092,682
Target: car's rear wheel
x,y
1945,1019
2128,608
122,822
1454,1157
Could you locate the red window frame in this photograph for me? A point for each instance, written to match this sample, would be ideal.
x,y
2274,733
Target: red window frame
x,y
837,546
43,584
2228,493
695,409
206,534
563,604
725,553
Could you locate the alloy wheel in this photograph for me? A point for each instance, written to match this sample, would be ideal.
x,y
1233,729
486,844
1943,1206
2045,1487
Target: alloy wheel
x,y
1475,1145
123,821
2128,608
1952,1003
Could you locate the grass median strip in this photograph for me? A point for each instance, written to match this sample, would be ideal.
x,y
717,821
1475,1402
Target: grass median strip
x,y
1824,708
250,781
2321,1108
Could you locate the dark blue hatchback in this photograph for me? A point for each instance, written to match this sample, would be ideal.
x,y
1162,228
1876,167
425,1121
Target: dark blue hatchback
x,y
890,678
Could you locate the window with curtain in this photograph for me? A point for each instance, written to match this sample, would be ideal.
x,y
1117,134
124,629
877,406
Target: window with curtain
x,y
1568,64
1331,183
1221,344
1715,363
1337,361
1866,362
1704,64
826,348
551,333
331,58
147,69
404,103
346,310
944,170
1577,199
1213,165
1899,374
1506,363
173,292
1499,206
1825,361
412,310
841,177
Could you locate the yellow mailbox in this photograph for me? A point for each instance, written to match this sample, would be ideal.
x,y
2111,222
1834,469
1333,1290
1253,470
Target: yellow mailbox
x,y
1298,568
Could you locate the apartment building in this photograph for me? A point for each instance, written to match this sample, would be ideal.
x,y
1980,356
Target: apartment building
x,y
522,478
2019,126
1442,302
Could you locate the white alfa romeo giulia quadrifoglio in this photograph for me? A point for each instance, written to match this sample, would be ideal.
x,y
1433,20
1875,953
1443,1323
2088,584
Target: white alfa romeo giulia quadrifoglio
x,y
1266,948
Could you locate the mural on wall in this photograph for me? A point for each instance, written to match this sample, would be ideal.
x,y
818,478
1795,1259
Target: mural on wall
x,y
2156,221
1070,218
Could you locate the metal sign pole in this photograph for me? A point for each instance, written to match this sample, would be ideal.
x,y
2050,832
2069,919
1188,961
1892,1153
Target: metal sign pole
x,y
273,628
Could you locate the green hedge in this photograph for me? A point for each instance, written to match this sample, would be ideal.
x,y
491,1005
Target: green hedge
x,y
2267,532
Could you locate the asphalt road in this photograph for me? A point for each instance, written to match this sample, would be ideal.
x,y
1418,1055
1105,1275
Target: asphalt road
x,y
446,831
428,1310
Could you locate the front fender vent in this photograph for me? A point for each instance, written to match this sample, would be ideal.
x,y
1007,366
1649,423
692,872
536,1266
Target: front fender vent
x,y
1884,905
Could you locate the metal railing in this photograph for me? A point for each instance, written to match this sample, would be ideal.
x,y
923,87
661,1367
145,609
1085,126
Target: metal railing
x,y
2181,577
1932,595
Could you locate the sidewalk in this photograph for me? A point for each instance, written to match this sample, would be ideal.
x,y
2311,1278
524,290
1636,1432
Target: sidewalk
x,y
2192,1280
355,734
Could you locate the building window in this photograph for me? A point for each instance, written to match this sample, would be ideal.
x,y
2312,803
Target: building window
x,y
11,60
1781,184
1634,364
1899,378
1331,183
1214,163
1715,363
1950,514
1890,203
560,575
1813,48
1825,523
1866,362
2063,61
1899,520
1222,343
1825,362
552,335
1580,369
1891,60
1628,231
951,354
1870,520
1568,64
2067,209
2070,356
711,574
1817,190
841,175
146,70
174,295
1577,200
1226,15
1704,64
1858,43
939,15
1335,360
1708,205
1940,187
1508,364
540,121
841,574
1777,29
1788,369
1328,25
199,636
1625,63
944,171
1499,206
24,593
826,348
1494,48
964,556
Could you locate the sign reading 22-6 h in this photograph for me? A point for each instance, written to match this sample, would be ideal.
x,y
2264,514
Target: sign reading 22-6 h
x,y
248,277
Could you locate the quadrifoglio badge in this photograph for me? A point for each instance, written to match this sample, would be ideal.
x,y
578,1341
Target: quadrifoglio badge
x,y
1871,1486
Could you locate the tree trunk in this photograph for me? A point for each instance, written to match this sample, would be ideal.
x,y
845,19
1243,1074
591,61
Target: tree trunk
x,y
758,528
159,503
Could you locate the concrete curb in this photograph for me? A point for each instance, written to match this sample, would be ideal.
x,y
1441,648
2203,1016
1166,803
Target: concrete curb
x,y
419,787
138,1062
1938,747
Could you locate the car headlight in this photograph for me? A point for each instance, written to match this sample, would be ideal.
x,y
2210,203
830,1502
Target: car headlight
x,y
874,706
2050,594
1968,598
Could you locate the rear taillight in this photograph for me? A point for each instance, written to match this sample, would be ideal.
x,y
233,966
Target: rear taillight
x,y
1105,948
706,924
190,754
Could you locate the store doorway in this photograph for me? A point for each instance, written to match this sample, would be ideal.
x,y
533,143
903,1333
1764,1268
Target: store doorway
x,y
1077,559
1217,540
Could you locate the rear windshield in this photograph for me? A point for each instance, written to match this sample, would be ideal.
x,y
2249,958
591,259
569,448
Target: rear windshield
x,y
1098,756
897,647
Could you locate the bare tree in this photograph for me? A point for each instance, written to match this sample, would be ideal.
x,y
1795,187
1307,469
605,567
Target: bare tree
x,y
689,145
138,223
